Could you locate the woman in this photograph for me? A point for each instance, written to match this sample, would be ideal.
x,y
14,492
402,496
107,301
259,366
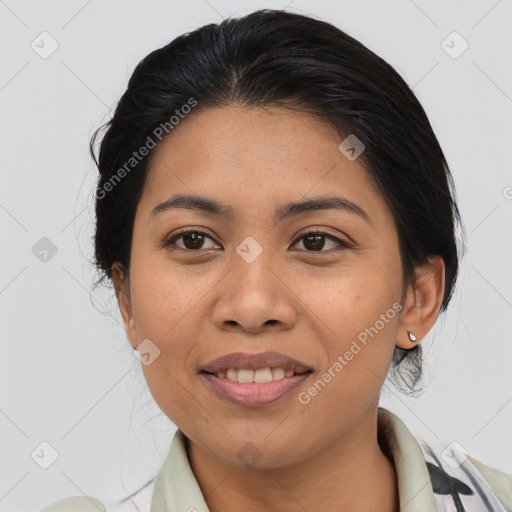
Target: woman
x,y
278,221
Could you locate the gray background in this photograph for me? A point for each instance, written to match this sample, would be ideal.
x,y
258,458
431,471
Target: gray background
x,y
68,373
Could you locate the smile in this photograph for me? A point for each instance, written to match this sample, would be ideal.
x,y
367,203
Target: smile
x,y
249,388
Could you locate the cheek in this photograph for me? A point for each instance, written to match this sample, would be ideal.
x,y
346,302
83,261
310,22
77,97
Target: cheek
x,y
164,295
358,311
358,360
349,299
166,304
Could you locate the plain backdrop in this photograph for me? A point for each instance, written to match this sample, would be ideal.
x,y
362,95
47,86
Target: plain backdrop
x,y
68,374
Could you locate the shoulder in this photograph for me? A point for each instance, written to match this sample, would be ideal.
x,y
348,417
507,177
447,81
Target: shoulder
x,y
138,500
450,467
76,504
499,481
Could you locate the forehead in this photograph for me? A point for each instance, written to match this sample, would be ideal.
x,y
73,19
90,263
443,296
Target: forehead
x,y
256,157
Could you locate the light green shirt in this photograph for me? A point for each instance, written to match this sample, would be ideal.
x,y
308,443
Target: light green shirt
x,y
424,481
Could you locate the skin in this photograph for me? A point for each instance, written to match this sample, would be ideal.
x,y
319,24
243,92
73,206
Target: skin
x,y
306,302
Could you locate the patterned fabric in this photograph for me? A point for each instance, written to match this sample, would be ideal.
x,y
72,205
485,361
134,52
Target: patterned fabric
x,y
457,484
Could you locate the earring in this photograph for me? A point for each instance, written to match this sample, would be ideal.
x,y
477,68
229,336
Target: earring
x,y
411,336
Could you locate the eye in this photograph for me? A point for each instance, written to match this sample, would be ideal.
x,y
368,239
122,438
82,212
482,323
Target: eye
x,y
193,240
314,241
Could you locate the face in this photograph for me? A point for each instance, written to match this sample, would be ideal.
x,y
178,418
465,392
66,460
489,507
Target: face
x,y
319,285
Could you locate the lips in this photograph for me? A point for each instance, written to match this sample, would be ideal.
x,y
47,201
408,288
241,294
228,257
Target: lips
x,y
245,361
249,395
254,380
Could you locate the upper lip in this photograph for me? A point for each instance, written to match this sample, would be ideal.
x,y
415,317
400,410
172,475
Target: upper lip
x,y
241,360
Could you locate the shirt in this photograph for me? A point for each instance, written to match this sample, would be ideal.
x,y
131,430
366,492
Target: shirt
x,y
432,477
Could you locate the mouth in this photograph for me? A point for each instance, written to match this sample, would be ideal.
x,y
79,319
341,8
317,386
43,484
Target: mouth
x,y
245,362
254,380
253,394
259,376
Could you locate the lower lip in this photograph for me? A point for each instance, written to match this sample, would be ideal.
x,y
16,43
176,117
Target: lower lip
x,y
254,394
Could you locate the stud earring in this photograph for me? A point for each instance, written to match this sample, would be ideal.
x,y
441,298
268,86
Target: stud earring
x,y
411,336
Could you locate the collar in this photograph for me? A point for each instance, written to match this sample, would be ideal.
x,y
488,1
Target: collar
x,y
414,485
176,487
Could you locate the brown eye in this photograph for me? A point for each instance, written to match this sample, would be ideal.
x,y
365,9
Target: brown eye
x,y
315,241
192,240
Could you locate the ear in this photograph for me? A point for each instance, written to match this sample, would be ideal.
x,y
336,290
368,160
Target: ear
x,y
122,288
422,303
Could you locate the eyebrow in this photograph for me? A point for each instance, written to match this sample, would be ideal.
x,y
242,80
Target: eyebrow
x,y
292,209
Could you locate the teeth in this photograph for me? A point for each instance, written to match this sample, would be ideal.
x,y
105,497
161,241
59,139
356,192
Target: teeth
x,y
232,374
246,376
277,373
259,376
263,375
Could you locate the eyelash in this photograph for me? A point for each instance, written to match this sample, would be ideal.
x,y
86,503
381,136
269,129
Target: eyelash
x,y
179,234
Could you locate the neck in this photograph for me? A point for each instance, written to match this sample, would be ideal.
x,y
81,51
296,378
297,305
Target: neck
x,y
353,473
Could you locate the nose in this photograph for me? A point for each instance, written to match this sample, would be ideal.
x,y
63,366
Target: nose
x,y
253,297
